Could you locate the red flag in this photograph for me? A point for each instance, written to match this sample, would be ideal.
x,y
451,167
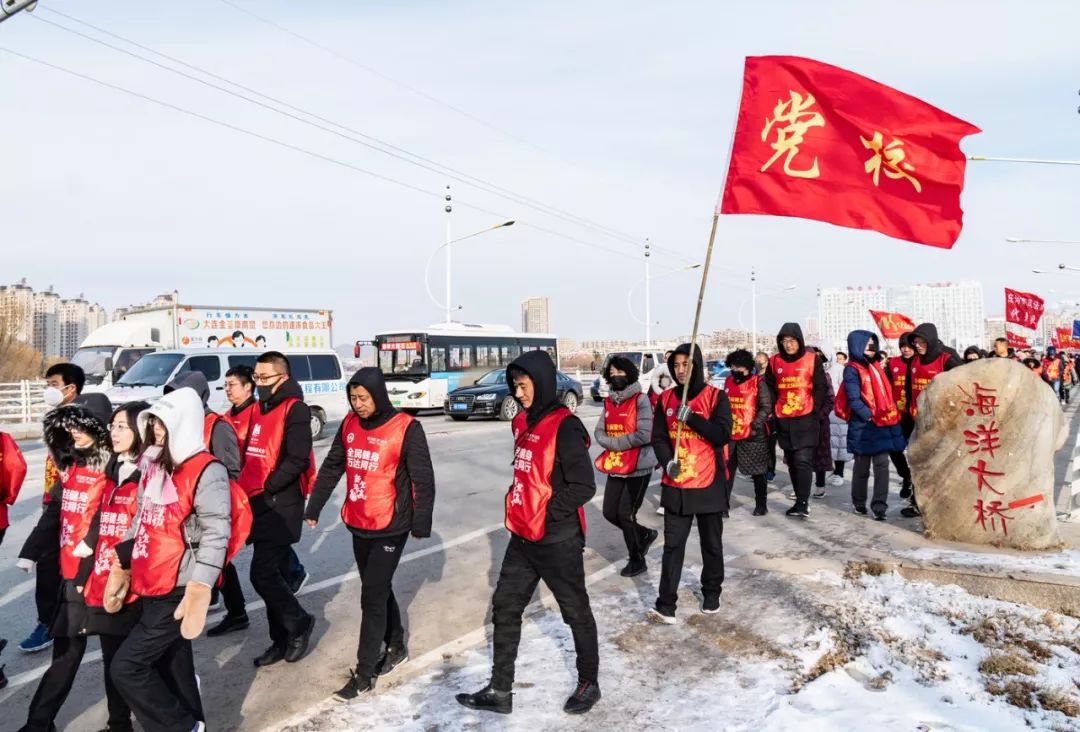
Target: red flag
x,y
1064,339
1024,309
892,325
1016,340
820,142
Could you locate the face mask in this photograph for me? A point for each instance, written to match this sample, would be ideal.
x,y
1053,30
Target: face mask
x,y
52,396
265,392
618,383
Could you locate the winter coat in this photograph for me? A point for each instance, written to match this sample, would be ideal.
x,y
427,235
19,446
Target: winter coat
x,y
838,437
414,480
823,452
641,437
799,432
752,454
864,437
12,474
716,429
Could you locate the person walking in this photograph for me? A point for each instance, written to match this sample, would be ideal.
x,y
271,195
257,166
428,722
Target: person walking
x,y
898,367
659,379
824,463
695,481
751,407
390,493
1053,370
761,366
799,387
865,402
545,514
12,475
624,430
276,459
172,555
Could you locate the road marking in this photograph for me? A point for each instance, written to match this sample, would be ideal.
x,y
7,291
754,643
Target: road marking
x,y
17,591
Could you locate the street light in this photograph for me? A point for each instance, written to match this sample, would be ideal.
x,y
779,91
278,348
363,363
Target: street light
x,y
8,8
1015,240
446,245
1070,267
753,308
647,279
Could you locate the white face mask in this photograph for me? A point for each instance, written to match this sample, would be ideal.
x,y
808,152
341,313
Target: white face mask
x,y
52,396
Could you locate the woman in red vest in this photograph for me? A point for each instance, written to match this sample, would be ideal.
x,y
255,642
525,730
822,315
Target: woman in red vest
x,y
897,367
624,430
390,486
751,406
865,400
12,474
694,485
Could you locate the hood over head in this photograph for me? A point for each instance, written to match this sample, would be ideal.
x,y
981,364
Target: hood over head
x,y
697,373
181,411
928,332
373,381
905,340
192,380
98,404
1051,352
857,341
793,330
62,448
972,349
541,369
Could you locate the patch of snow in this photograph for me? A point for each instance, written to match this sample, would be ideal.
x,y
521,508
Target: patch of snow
x,y
1064,562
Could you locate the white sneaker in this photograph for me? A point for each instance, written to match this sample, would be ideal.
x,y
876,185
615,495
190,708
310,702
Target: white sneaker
x,y
659,510
657,617
836,480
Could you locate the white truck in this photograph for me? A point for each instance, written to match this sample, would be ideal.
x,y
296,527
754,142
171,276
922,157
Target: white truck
x,y
111,350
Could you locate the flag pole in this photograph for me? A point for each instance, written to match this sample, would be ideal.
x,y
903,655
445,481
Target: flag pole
x,y
673,465
1041,161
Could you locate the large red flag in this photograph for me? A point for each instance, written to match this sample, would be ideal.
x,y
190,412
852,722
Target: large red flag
x,y
820,142
1023,308
892,325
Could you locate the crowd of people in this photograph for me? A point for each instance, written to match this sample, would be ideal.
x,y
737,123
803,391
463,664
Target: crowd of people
x,y
146,506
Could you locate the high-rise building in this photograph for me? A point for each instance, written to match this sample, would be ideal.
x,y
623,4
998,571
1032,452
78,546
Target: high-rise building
x,y
47,322
74,314
534,315
844,309
17,311
956,308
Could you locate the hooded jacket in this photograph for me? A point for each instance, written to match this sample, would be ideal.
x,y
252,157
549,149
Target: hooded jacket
x,y
415,478
573,483
934,349
641,437
863,436
716,429
207,529
804,432
223,443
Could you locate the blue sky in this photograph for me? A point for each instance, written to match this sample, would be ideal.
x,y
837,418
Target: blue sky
x,y
625,110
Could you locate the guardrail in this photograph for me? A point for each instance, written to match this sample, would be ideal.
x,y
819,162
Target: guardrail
x,y
21,402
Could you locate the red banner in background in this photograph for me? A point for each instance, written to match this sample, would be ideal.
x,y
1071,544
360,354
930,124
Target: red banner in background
x,y
1017,341
1064,339
892,325
1024,309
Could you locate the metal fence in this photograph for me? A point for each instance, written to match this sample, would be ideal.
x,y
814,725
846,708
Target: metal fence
x,y
21,402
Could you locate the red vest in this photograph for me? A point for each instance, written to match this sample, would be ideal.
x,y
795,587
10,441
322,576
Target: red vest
x,y
794,385
697,456
875,393
534,460
921,376
209,420
118,506
898,377
52,475
79,499
1052,368
743,398
160,541
619,420
241,423
371,462
263,446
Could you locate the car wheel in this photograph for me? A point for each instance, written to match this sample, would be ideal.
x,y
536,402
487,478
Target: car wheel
x,y
509,409
596,398
458,417
570,401
317,422
411,412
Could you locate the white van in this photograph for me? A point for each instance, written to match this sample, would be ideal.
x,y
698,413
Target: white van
x,y
645,359
319,374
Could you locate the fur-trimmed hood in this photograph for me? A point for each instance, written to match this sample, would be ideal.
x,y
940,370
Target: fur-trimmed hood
x,y
62,447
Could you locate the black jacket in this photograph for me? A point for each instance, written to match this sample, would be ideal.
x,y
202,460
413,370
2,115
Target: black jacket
x,y
934,349
573,483
414,481
795,433
278,512
716,430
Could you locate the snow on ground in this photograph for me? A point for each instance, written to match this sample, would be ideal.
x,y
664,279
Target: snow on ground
x,y
786,652
1064,562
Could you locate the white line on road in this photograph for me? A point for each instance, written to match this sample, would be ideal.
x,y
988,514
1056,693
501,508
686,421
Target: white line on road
x,y
17,591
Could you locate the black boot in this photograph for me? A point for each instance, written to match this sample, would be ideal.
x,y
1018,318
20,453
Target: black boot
x,y
905,488
633,568
760,506
229,624
584,697
488,700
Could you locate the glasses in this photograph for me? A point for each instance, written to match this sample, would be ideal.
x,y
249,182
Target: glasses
x,y
265,379
118,427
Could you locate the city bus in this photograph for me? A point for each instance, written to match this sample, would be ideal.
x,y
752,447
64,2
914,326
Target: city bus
x,y
423,365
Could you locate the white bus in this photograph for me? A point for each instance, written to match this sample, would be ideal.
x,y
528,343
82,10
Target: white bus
x,y
422,365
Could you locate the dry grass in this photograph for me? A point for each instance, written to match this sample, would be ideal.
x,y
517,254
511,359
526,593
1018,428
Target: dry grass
x,y
834,659
1007,663
854,570
1018,692
1059,700
878,683
1036,650
1050,620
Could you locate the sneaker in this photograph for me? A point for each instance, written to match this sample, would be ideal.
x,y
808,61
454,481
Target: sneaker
x,y
391,658
199,727
584,697
354,687
879,515
229,624
724,515
770,477
861,510
647,542
799,510
710,605
488,700
297,583
38,640
659,618
632,569
819,492
910,512
837,480
905,489
760,509
3,678
659,510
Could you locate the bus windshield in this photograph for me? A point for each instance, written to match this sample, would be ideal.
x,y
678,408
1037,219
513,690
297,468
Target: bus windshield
x,y
402,356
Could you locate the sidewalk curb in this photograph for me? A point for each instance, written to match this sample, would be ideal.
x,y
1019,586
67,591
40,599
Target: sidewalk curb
x,y
1068,505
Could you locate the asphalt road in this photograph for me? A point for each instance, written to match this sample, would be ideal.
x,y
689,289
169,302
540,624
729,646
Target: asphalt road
x,y
444,583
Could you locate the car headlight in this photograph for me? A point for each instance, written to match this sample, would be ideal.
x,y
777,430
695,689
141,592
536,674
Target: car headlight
x,y
417,395
485,398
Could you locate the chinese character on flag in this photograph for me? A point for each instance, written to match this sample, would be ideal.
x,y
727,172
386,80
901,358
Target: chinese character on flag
x,y
819,142
1023,308
892,325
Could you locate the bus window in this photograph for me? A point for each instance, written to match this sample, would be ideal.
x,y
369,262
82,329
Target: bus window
x,y
438,358
324,368
397,360
299,369
509,353
460,358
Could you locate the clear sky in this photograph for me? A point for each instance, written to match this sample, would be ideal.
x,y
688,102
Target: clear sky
x,y
619,112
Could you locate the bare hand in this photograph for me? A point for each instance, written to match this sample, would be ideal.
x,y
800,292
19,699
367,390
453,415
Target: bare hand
x,y
312,523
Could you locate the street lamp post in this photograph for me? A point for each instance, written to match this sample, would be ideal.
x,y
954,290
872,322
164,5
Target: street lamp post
x,y
647,280
753,307
1016,240
8,8
648,300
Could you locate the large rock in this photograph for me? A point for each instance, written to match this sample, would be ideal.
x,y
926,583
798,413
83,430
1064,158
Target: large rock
x,y
982,456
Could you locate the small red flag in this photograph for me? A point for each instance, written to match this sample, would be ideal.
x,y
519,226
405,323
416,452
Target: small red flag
x,y
1016,340
892,325
819,142
1064,339
1023,308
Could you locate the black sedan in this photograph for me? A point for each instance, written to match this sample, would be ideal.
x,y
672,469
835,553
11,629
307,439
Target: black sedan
x,y
490,396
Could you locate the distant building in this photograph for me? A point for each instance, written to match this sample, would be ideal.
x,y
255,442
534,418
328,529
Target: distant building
x,y
47,322
535,315
956,308
17,312
844,309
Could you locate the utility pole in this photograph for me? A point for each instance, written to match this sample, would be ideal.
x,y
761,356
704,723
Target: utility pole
x,y
753,309
449,209
648,300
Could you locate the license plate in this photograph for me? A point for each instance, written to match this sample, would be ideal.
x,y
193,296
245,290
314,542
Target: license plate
x,y
460,407
396,402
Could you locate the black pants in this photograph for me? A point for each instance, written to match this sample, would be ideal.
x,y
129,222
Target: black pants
x,y
55,685
676,532
47,586
860,477
269,564
232,593
154,670
2,532
899,461
800,464
771,440
622,499
380,616
562,568
819,478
